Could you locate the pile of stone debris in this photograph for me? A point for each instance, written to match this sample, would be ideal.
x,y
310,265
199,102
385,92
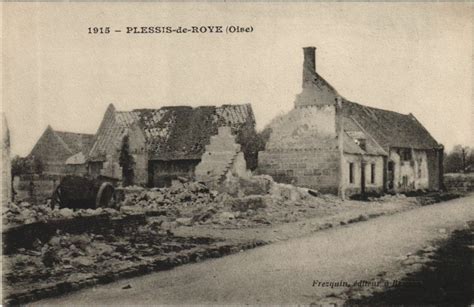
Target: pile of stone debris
x,y
156,199
238,203
26,213
73,257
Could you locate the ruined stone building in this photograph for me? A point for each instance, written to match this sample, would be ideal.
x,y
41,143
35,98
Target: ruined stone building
x,y
54,148
223,158
6,164
334,145
166,143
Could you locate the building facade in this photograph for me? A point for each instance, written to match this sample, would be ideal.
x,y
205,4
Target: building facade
x,y
333,145
166,143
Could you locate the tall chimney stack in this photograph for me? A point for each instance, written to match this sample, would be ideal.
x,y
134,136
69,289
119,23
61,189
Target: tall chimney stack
x,y
309,65
310,57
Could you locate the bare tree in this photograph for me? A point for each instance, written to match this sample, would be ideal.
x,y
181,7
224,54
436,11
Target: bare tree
x,y
458,160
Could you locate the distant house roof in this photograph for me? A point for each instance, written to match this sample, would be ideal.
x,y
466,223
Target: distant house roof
x,y
76,142
388,128
53,145
171,133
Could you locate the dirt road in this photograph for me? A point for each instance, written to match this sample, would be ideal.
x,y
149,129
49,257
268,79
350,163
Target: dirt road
x,y
293,271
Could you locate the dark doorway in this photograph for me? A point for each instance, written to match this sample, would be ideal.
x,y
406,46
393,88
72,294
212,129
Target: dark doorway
x,y
390,174
362,177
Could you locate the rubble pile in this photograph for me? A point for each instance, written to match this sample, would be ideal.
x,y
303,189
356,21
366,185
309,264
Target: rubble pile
x,y
239,202
159,199
26,213
68,257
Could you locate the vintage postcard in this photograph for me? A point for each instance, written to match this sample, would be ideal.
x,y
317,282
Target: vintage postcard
x,y
218,153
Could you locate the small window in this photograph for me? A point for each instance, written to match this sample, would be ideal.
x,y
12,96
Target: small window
x,y
362,143
351,172
372,173
405,154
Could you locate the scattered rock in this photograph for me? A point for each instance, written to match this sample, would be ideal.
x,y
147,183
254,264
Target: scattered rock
x,y
168,225
66,212
50,257
184,221
253,202
429,248
82,261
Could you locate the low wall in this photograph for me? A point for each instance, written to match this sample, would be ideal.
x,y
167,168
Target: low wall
x,y
23,236
34,188
459,183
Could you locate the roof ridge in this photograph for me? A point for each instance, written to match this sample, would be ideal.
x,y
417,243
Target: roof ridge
x,y
375,108
247,104
69,132
390,128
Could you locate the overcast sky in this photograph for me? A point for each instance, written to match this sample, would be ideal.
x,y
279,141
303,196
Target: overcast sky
x,y
409,58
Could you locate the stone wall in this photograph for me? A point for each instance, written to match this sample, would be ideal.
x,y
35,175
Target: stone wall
x,y
303,128
6,164
139,152
223,156
35,188
162,173
76,169
459,183
435,169
111,167
303,149
314,169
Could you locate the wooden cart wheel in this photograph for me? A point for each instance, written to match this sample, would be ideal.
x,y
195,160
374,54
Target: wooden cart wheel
x,y
104,195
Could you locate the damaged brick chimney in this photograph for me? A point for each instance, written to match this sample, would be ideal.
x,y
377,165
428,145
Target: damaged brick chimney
x,y
309,65
316,91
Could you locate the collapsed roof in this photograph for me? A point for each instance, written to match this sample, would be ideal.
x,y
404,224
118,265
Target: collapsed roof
x,y
172,133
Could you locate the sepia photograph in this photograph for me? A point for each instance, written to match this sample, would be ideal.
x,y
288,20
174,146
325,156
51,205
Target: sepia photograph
x,y
237,153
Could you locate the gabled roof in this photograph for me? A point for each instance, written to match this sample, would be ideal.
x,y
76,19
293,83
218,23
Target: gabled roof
x,y
76,142
110,133
388,128
69,142
171,133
